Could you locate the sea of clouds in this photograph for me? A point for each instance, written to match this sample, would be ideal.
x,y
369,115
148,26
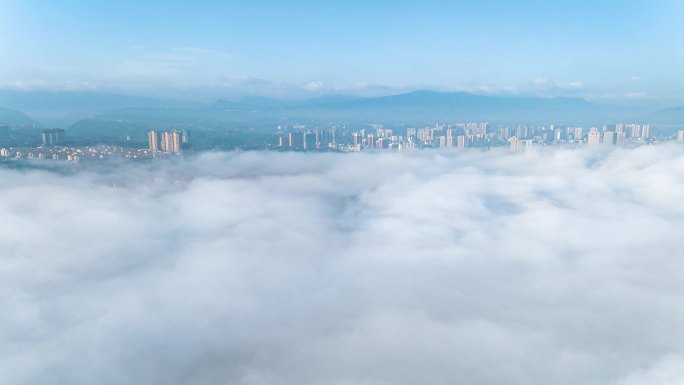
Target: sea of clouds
x,y
548,267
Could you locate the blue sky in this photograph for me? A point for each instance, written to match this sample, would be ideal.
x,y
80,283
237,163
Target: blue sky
x,y
601,50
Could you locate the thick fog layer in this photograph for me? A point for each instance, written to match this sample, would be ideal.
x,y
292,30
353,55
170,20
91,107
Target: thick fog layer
x,y
549,267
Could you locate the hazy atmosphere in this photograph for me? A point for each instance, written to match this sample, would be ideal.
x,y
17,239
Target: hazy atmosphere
x,y
612,50
549,267
470,192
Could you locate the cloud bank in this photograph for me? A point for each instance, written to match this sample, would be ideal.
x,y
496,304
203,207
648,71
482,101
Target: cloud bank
x,y
549,267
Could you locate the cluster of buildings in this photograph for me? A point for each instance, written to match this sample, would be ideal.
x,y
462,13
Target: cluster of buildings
x,y
611,134
375,137
52,136
298,137
160,144
460,135
77,153
167,141
617,134
338,138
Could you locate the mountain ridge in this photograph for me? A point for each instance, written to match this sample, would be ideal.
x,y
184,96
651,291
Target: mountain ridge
x,y
14,117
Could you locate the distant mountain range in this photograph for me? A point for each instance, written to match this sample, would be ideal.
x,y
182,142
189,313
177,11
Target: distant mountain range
x,y
13,117
668,116
428,106
61,109
84,111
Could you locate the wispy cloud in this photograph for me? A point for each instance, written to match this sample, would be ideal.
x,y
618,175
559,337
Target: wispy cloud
x,y
635,95
48,85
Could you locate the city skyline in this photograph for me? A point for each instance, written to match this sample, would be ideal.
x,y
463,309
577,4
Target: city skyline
x,y
446,137
614,51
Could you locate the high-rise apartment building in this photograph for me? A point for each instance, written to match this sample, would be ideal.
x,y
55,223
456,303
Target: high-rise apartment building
x,y
557,134
514,144
171,142
462,142
633,130
609,138
153,140
646,131
294,140
594,137
521,132
52,137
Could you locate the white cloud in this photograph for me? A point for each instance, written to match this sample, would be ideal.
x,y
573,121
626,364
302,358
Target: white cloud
x,y
420,267
314,86
571,85
547,87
